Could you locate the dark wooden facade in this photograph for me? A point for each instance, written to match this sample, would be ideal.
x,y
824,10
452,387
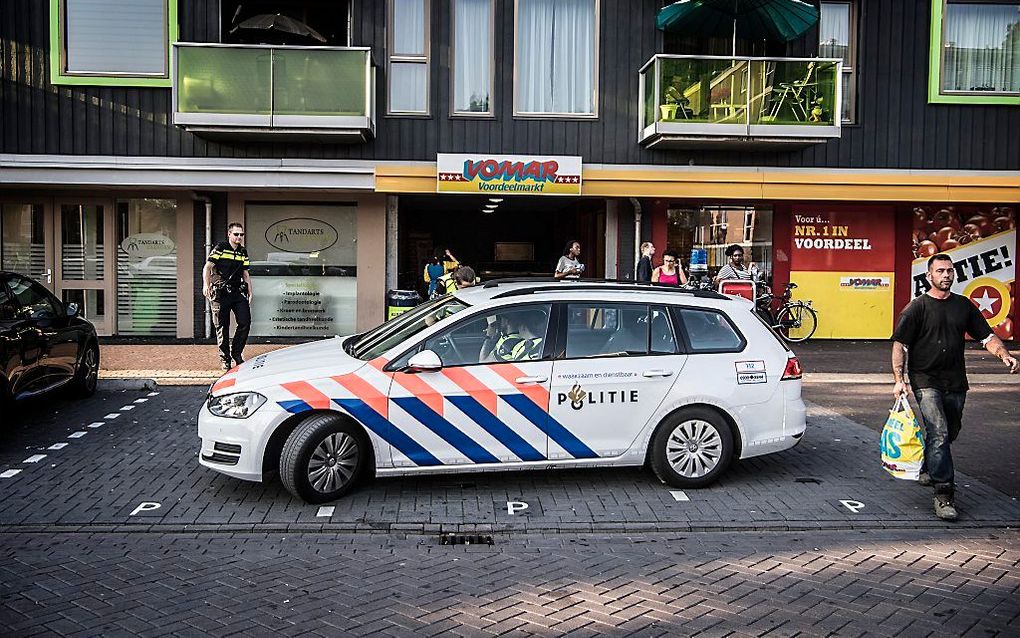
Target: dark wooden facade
x,y
896,128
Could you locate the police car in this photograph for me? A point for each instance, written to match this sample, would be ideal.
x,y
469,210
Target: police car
x,y
514,375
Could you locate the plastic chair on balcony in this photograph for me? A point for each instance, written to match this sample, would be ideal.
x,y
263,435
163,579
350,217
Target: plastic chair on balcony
x,y
795,95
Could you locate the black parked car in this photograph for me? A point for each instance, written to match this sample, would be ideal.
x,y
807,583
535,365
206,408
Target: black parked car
x,y
44,344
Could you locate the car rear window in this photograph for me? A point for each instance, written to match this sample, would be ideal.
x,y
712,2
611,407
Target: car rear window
x,y
709,331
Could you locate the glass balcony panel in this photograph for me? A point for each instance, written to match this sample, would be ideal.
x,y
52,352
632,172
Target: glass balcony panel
x,y
703,90
224,80
319,82
794,93
649,113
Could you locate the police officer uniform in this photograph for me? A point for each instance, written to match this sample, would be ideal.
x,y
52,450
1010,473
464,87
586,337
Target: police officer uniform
x,y
230,294
514,347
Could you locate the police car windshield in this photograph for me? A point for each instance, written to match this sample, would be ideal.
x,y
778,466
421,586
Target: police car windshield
x,y
390,334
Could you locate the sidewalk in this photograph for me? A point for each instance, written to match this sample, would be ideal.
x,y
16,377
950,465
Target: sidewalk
x,y
863,362
171,364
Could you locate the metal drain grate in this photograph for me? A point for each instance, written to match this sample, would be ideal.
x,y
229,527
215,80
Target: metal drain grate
x,y
466,539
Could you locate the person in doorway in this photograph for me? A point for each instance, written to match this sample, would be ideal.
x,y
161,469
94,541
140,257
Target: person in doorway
x,y
227,285
569,266
464,277
450,263
736,269
644,265
931,329
670,272
433,271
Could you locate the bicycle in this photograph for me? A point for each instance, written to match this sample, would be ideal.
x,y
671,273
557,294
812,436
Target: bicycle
x,y
794,321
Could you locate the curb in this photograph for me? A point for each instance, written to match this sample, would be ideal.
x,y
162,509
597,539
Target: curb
x,y
127,384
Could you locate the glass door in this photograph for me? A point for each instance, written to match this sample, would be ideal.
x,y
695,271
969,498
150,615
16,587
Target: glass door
x,y
23,245
84,268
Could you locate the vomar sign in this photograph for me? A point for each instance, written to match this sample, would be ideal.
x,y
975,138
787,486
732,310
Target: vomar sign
x,y
508,174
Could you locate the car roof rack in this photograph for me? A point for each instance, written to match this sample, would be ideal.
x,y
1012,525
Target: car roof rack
x,y
545,285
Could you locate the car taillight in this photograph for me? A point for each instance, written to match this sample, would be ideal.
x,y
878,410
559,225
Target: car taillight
x,y
793,369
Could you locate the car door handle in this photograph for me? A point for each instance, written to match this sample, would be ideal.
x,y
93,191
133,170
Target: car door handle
x,y
531,379
657,373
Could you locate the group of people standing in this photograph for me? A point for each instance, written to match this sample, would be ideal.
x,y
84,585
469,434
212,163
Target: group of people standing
x,y
444,273
671,273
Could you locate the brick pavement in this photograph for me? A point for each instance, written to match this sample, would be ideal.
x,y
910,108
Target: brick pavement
x,y
148,453
875,583
597,553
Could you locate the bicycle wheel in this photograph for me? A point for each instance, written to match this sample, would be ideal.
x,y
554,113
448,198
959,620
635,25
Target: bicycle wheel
x,y
797,322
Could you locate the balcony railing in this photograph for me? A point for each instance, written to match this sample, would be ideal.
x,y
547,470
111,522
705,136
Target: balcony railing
x,y
697,101
261,90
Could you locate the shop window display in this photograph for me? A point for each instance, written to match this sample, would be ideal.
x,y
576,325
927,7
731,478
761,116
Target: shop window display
x,y
716,227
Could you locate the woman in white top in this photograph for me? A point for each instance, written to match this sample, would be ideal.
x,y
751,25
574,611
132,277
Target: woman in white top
x,y
568,266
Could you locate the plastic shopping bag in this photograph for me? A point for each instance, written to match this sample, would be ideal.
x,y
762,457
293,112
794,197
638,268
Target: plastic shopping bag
x,y
902,442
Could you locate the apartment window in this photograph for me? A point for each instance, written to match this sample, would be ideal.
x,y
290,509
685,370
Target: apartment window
x,y
975,52
981,47
837,37
409,57
112,42
472,56
556,58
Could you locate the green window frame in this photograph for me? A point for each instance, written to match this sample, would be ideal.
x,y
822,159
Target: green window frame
x,y
59,76
935,94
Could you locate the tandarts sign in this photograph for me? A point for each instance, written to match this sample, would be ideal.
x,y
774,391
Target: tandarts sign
x,y
508,174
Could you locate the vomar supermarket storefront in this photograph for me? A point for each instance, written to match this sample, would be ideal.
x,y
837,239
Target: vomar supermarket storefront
x,y
855,242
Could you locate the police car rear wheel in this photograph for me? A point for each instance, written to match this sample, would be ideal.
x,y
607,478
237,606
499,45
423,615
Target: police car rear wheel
x,y
323,458
692,448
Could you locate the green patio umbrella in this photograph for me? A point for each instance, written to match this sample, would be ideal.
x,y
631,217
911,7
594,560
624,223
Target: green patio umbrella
x,y
777,20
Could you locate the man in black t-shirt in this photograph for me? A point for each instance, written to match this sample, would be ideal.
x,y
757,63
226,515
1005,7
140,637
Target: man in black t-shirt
x,y
227,285
931,328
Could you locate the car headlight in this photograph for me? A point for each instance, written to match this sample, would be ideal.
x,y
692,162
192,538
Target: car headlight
x,y
236,406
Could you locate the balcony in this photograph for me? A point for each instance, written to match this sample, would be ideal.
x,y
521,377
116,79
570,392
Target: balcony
x,y
739,103
233,92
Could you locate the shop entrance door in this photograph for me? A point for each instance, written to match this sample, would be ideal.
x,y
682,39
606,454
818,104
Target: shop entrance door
x,y
84,252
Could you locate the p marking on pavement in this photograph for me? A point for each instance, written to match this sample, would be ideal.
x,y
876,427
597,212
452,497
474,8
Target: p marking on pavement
x,y
853,506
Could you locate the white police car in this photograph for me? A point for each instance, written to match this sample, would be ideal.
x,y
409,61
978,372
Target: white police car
x,y
514,375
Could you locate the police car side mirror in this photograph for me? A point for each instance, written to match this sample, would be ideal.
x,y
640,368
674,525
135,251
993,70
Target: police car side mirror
x,y
424,361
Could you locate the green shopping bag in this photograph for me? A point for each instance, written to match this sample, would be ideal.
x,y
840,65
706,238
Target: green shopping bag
x,y
902,442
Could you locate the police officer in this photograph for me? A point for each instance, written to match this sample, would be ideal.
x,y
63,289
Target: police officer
x,y
227,285
520,339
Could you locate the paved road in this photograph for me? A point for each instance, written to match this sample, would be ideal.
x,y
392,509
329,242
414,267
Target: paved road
x,y
815,540
885,583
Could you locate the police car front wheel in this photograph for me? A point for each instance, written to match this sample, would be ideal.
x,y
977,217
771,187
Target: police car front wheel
x,y
323,458
691,448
